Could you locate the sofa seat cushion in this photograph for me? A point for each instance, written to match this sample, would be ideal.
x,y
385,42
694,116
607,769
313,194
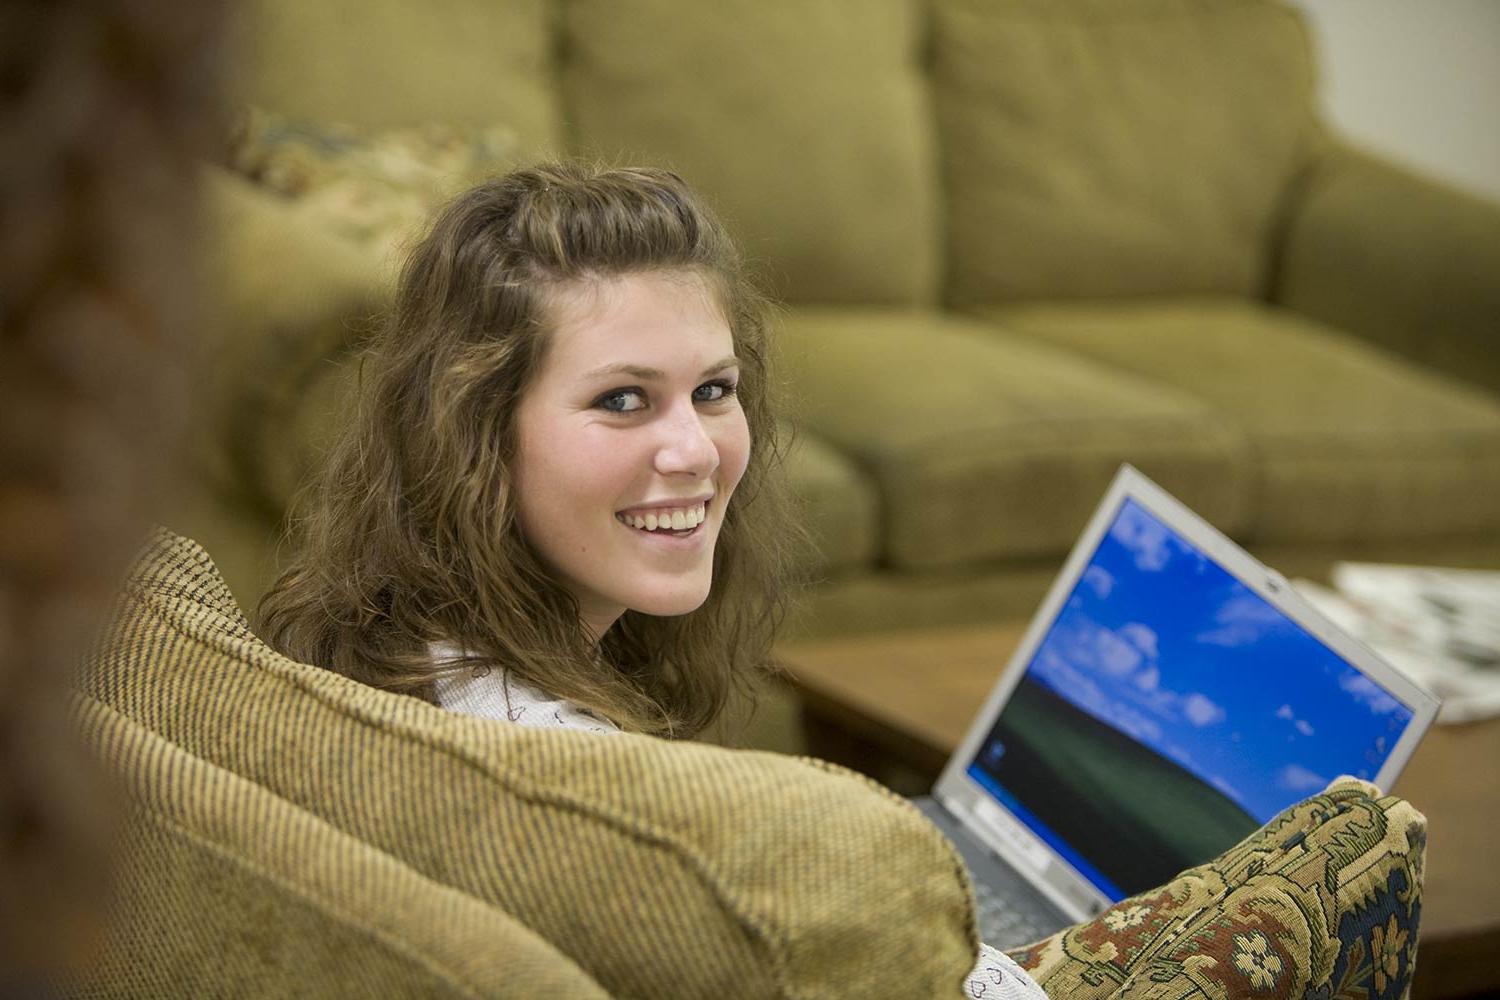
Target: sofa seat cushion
x,y
1103,147
806,125
838,503
1349,442
659,868
985,446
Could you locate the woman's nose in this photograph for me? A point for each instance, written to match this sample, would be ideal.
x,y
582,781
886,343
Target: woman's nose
x,y
686,446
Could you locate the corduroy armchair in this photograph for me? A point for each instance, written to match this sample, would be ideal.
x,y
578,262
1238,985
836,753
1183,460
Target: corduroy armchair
x,y
292,832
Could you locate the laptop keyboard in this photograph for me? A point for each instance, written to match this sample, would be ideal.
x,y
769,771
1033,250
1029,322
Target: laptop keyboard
x,y
1011,912
1005,922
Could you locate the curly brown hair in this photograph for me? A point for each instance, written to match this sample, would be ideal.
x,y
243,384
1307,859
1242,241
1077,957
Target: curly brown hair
x,y
399,544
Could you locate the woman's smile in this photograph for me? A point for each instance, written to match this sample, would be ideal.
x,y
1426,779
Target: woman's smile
x,y
672,528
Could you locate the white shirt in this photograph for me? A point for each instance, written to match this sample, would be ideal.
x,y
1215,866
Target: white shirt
x,y
495,695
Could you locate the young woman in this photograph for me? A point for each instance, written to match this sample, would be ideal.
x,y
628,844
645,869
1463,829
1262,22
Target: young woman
x,y
558,481
558,502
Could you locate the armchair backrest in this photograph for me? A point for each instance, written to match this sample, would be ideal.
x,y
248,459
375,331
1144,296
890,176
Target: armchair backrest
x,y
222,887
659,868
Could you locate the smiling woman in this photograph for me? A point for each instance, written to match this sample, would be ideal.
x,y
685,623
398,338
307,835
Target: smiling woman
x,y
559,490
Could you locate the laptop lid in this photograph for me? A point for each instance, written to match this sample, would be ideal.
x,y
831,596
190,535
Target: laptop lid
x,y
1170,696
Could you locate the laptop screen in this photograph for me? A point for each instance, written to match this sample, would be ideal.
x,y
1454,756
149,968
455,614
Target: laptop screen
x,y
1169,711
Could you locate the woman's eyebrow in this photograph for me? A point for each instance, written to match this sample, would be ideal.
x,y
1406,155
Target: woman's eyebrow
x,y
653,374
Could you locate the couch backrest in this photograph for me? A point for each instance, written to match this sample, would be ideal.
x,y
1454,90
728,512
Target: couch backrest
x,y
1099,148
807,124
220,888
661,869
396,63
872,151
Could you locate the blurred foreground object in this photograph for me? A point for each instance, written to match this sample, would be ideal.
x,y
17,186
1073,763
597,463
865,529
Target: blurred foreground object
x,y
105,109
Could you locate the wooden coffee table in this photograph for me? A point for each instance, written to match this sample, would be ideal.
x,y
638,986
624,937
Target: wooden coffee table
x,y
907,699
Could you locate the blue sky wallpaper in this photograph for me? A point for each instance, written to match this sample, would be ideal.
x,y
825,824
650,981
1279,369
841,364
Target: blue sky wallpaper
x,y
1160,642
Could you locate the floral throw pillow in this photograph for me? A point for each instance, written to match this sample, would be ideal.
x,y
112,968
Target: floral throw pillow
x,y
1322,903
375,188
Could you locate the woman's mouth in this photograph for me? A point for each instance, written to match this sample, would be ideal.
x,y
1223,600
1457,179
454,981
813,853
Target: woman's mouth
x,y
678,522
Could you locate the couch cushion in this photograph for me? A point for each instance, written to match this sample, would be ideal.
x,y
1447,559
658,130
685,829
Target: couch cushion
x,y
376,187
291,297
1350,443
394,63
221,887
805,124
986,446
660,868
1116,147
838,502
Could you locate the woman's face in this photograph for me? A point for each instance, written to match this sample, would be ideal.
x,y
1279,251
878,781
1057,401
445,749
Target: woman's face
x,y
631,440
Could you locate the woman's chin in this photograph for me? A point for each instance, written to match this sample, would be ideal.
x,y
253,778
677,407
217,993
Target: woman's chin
x,y
670,603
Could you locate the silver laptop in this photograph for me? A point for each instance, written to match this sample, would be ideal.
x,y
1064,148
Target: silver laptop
x,y
1170,697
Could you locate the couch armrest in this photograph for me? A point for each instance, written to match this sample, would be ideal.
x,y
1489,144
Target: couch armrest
x,y
288,299
1402,260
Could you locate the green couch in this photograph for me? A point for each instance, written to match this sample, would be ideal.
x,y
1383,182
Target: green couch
x,y
1020,242
289,832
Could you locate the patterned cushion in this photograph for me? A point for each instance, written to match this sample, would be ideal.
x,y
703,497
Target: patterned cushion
x,y
1321,902
374,187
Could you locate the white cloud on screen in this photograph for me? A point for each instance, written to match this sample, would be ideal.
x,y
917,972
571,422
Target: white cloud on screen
x,y
1084,692
1296,778
1201,711
1145,538
1141,637
1287,714
1224,786
1368,692
1099,581
1243,620
1116,657
1113,674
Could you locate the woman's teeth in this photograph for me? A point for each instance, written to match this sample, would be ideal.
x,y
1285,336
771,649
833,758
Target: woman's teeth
x,y
667,519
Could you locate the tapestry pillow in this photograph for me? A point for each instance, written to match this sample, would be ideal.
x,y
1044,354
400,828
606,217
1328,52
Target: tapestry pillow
x,y
376,188
1323,901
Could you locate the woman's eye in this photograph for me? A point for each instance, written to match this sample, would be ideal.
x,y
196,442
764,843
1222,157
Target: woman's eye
x,y
621,401
713,392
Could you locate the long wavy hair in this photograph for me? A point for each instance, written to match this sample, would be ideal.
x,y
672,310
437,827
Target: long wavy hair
x,y
410,534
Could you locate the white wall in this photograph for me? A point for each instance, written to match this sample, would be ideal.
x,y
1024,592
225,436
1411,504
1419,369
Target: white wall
x,y
1418,80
